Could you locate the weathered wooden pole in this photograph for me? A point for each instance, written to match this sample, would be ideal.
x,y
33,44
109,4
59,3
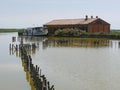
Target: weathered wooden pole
x,y
52,87
13,39
48,85
10,47
16,47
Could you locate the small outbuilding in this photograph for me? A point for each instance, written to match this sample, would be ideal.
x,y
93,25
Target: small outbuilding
x,y
90,25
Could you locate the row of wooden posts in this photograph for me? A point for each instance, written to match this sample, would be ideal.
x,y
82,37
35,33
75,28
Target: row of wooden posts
x,y
27,46
39,80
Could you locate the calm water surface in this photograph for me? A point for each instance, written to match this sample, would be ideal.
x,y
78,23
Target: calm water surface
x,y
86,67
68,63
12,75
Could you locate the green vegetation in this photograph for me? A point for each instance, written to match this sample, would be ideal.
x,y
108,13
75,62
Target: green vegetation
x,y
114,34
74,33
10,30
69,32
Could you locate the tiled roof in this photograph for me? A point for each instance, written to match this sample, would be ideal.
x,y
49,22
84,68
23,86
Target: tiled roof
x,y
71,21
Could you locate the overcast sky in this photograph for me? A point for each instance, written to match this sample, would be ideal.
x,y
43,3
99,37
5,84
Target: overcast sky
x,y
29,13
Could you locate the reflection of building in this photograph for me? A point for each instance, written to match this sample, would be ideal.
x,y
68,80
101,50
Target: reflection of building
x,y
91,25
75,42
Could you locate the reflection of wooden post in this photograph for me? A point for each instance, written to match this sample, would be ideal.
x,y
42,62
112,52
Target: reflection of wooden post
x,y
13,39
16,53
16,47
21,40
10,47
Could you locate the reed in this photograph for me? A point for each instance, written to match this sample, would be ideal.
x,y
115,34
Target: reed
x,y
10,30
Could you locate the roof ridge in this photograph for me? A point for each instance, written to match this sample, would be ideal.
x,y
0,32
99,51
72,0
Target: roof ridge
x,y
68,19
81,21
74,19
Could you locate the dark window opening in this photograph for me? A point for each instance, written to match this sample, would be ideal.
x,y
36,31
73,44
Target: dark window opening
x,y
84,28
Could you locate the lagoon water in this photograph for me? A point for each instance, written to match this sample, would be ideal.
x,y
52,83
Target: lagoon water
x,y
68,63
12,75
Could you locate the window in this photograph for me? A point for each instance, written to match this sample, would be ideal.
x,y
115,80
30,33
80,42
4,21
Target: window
x,y
84,28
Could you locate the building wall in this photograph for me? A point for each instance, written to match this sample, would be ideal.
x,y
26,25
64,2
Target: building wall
x,y
99,27
53,28
90,28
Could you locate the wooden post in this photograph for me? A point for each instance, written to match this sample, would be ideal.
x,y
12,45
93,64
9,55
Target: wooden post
x,y
52,87
10,47
16,47
13,39
40,72
48,85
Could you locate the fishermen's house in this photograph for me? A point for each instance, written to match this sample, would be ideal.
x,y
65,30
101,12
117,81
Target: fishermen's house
x,y
90,25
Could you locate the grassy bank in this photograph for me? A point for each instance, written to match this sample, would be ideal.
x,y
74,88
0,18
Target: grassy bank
x,y
10,30
115,32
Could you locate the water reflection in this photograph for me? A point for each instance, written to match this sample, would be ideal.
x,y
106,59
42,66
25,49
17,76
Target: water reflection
x,y
32,44
46,42
31,39
36,80
12,76
30,47
28,76
75,42
14,49
84,64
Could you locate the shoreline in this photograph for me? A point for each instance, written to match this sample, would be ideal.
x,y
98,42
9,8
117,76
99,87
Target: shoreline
x,y
111,35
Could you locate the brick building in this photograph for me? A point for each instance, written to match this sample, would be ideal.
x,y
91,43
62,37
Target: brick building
x,y
90,25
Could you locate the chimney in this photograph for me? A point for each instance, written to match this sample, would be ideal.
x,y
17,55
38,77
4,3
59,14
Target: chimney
x,y
91,17
86,18
96,16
